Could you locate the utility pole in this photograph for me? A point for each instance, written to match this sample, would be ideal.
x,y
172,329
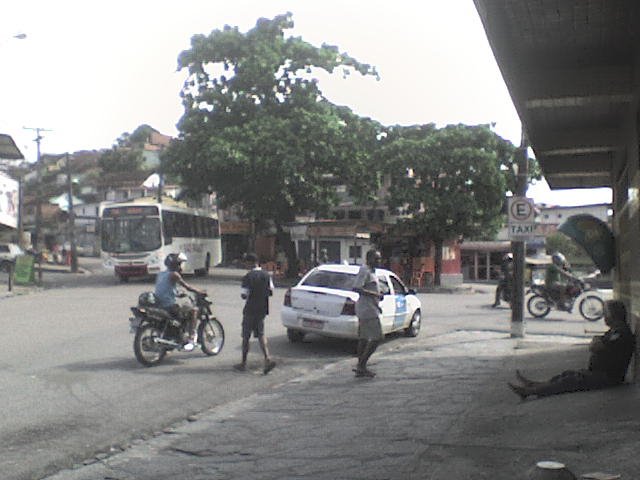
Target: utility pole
x,y
36,245
72,219
20,210
518,247
160,185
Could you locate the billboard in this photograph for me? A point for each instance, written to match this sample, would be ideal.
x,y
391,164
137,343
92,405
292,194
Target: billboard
x,y
8,201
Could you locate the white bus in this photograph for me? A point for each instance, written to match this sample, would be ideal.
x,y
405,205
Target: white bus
x,y
136,237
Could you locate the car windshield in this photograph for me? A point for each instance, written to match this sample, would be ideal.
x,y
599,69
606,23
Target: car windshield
x,y
327,279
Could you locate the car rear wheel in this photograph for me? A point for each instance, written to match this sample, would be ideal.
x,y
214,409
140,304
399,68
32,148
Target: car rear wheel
x,y
414,326
295,336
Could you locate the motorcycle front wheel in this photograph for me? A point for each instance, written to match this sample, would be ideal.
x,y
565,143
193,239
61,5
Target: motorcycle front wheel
x,y
211,336
147,351
538,306
592,308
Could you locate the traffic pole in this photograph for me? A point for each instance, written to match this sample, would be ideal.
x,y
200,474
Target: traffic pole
x,y
518,248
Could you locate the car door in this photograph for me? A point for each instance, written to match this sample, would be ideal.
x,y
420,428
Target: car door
x,y
401,308
387,304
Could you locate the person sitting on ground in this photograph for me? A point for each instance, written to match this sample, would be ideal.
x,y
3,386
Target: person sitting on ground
x,y
559,279
166,292
608,363
506,277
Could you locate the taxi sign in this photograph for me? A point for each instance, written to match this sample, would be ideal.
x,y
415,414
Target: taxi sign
x,y
521,225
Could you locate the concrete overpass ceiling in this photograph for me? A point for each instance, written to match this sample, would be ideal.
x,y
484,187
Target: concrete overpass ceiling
x,y
570,68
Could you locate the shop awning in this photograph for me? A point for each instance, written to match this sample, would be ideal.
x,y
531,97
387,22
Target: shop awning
x,y
9,149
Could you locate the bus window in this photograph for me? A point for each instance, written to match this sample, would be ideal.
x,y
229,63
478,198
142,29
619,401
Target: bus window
x,y
130,234
213,228
168,226
200,227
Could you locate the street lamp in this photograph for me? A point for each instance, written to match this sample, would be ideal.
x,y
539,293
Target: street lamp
x,y
17,36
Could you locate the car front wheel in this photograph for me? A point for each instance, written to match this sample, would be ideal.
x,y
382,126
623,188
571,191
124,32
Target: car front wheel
x,y
414,326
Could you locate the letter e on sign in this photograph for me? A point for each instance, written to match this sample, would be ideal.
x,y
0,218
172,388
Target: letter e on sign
x,y
520,210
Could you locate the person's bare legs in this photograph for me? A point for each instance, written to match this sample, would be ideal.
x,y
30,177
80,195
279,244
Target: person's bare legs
x,y
365,350
191,321
526,381
268,363
245,353
192,325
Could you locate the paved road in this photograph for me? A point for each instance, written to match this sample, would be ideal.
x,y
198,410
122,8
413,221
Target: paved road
x,y
74,388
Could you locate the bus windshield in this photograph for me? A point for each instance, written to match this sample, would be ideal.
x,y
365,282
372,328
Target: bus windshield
x,y
131,234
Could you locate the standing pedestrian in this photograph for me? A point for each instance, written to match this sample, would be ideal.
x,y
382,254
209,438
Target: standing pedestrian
x,y
257,287
505,282
368,312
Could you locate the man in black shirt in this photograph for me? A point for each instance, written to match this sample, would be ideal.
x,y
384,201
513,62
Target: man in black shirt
x,y
257,287
506,277
610,357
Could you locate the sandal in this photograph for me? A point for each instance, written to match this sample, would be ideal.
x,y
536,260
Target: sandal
x,y
270,365
360,372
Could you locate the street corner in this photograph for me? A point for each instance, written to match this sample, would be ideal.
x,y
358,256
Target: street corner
x,y
18,290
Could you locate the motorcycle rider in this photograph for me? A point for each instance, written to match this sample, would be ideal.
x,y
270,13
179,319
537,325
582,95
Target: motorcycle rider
x,y
166,291
506,277
558,278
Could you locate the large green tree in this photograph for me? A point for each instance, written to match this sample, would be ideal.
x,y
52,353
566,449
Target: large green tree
x,y
257,130
125,156
451,181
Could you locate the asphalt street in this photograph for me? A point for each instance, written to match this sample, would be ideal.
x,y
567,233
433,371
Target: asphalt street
x,y
437,400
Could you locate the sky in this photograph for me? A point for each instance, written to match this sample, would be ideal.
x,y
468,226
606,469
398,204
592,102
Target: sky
x,y
89,71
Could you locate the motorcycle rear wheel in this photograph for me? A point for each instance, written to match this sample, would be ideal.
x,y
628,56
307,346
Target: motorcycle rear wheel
x,y
538,306
592,308
211,336
147,351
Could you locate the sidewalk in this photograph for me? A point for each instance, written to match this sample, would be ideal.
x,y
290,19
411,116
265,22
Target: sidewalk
x,y
443,412
47,268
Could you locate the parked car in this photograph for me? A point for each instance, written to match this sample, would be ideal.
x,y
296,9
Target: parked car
x,y
323,302
8,254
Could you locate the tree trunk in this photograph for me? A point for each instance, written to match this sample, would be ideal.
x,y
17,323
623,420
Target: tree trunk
x,y
288,247
437,267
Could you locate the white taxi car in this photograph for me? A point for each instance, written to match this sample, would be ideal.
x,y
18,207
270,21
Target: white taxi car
x,y
323,302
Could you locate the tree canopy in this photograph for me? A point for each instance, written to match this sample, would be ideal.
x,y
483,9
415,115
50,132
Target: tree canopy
x,y
125,157
451,181
256,128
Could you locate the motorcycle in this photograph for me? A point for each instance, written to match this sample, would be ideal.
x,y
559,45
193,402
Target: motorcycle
x,y
158,332
591,306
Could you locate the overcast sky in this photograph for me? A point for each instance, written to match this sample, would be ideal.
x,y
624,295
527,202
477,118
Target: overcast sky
x,y
90,70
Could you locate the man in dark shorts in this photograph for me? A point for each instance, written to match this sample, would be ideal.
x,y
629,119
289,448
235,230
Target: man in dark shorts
x,y
610,357
257,287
